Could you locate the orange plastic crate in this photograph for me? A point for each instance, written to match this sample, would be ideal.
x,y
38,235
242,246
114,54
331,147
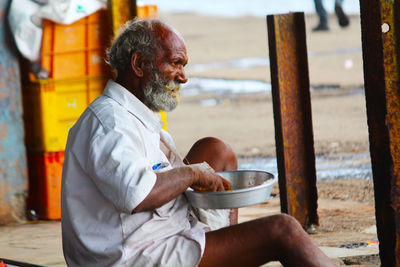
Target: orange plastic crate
x,y
147,11
78,49
45,171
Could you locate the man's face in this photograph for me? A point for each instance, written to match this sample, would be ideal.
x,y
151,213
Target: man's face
x,y
159,93
166,74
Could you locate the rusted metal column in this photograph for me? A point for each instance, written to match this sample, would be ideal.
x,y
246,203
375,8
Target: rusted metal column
x,y
13,172
120,12
292,116
380,27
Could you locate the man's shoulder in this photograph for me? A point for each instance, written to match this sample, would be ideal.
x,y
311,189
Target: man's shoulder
x,y
107,111
103,104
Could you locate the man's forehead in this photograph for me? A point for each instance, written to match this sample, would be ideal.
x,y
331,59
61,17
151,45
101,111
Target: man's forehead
x,y
163,30
167,33
170,40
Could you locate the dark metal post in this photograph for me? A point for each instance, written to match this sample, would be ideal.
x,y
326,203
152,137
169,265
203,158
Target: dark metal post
x,y
120,11
13,172
292,116
133,8
380,27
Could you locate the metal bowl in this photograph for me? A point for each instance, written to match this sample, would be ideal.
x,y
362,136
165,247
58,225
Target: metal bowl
x,y
249,187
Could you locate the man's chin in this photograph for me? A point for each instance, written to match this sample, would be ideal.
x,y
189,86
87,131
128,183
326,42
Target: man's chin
x,y
170,107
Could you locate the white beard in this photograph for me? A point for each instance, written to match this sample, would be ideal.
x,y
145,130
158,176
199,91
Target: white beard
x,y
160,94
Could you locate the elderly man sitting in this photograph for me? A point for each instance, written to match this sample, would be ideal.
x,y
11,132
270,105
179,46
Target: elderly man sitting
x,y
122,201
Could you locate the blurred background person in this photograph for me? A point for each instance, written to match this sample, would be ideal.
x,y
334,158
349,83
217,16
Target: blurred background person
x,y
323,24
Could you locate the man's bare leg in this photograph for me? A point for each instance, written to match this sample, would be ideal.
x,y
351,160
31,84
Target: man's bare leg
x,y
274,238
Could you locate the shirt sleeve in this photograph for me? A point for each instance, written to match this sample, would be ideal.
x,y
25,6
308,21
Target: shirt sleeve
x,y
118,167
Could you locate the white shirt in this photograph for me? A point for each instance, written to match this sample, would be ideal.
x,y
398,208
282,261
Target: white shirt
x,y
107,172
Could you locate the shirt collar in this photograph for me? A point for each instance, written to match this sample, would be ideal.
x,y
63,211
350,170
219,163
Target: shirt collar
x,y
149,118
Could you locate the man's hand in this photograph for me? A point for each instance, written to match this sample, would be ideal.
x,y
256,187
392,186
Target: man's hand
x,y
206,179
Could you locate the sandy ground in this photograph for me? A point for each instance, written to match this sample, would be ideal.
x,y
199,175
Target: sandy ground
x,y
345,206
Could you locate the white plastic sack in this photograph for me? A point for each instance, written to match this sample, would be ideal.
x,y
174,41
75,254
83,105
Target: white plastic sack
x,y
25,18
68,11
27,36
215,219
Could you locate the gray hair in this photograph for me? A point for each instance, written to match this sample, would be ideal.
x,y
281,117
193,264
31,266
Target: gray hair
x,y
135,36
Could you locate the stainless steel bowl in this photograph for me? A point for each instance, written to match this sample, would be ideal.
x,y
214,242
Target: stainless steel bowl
x,y
249,187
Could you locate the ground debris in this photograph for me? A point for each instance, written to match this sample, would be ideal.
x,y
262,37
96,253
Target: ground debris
x,y
363,260
361,190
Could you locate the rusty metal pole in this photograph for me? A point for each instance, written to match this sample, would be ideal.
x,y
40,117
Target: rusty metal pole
x,y
292,116
380,26
120,12
13,172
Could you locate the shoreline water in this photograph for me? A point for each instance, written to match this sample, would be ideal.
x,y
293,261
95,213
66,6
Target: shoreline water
x,y
352,166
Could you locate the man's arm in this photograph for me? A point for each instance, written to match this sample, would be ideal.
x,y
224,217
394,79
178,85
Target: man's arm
x,y
172,183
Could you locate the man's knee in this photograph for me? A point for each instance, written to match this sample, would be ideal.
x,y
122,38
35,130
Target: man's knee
x,y
215,152
285,221
286,228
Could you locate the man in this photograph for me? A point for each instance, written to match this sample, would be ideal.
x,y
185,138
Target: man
x,y
123,181
323,24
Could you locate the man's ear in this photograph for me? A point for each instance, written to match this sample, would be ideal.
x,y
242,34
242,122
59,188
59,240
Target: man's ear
x,y
137,64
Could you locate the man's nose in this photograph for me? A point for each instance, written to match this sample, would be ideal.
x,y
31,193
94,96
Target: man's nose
x,y
181,76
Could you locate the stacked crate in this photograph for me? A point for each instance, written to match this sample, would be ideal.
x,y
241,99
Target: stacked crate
x,y
74,56
147,11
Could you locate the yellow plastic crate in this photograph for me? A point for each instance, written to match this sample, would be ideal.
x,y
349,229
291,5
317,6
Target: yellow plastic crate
x,y
164,119
52,107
